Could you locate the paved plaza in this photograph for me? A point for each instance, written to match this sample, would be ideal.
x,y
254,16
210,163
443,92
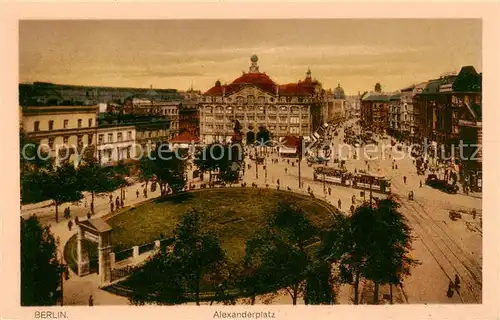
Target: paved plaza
x,y
444,247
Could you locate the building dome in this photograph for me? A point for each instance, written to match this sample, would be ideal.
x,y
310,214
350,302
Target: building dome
x,y
254,58
338,93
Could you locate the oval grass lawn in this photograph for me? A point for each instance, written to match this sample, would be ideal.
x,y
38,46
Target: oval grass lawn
x,y
232,213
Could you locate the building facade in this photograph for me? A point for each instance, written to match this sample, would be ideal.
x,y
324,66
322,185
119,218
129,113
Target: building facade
x,y
395,114
67,131
255,100
115,143
189,115
375,112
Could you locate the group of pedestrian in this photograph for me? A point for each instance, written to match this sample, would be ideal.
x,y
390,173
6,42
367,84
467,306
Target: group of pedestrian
x,y
118,203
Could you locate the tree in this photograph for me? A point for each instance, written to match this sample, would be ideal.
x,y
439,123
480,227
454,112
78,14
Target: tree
x,y
263,136
121,172
345,243
61,185
224,159
95,178
276,257
388,259
167,167
378,87
158,281
40,267
198,251
32,156
320,284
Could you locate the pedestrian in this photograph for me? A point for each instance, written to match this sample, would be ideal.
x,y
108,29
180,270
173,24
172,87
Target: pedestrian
x,y
404,179
353,199
396,167
117,201
340,204
76,221
112,205
121,203
145,192
457,282
110,198
450,291
91,301
70,224
286,170
85,202
420,183
88,214
137,193
329,191
352,208
278,182
474,214
309,189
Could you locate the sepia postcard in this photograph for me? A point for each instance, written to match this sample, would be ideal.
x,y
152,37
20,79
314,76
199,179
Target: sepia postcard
x,y
244,161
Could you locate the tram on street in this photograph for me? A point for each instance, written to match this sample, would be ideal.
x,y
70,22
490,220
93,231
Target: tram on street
x,y
367,181
333,175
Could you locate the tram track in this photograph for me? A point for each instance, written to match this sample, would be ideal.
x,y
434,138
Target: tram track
x,y
449,262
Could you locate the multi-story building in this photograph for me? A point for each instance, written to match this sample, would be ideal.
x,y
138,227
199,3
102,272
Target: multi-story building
x,y
255,100
375,112
409,114
395,115
149,129
65,130
115,143
166,109
335,105
353,106
189,116
59,94
450,111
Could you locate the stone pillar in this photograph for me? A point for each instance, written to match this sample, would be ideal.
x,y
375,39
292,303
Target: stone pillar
x,y
112,260
83,259
104,258
135,254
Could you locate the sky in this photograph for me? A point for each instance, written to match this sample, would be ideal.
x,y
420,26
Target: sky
x,y
180,53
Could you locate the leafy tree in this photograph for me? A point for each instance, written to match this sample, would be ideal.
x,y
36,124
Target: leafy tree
x,y
388,259
158,281
95,178
121,172
168,168
198,251
276,257
32,156
40,267
61,185
320,284
263,136
31,187
345,244
378,87
224,159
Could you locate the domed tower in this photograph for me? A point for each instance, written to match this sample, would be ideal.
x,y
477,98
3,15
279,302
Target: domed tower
x,y
254,67
338,93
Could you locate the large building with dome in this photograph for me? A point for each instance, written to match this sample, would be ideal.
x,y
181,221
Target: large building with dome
x,y
255,100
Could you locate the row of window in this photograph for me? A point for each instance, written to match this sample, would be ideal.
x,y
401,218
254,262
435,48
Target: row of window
x,y
119,137
79,140
229,109
36,124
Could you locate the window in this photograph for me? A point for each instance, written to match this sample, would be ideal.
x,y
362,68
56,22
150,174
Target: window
x,y
79,123
129,135
101,139
65,140
36,126
90,137
65,124
110,137
51,143
90,122
120,137
51,124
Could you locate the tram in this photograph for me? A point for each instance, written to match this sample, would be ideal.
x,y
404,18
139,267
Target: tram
x,y
333,175
372,181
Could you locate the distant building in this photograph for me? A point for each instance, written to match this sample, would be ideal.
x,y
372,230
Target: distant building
x,y
70,129
115,143
255,100
410,114
395,114
189,116
375,112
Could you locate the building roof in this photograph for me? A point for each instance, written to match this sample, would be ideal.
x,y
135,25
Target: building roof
x,y
293,89
338,93
468,80
396,96
376,97
290,141
98,224
185,137
432,86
